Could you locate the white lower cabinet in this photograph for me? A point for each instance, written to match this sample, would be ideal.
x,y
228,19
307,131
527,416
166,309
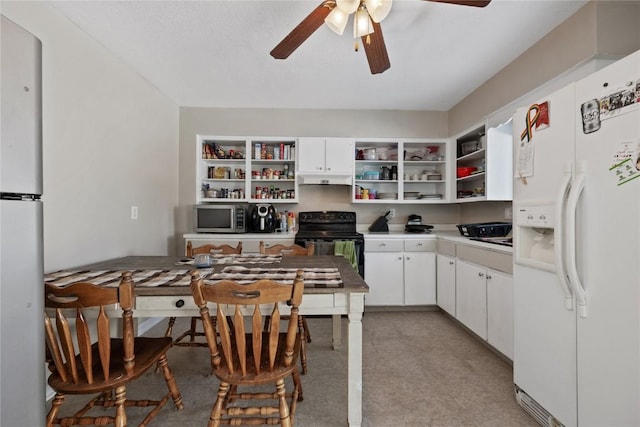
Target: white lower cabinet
x,y
471,297
400,272
446,283
500,311
484,304
419,273
383,273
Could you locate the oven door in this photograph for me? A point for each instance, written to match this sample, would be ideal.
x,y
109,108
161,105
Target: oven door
x,y
327,246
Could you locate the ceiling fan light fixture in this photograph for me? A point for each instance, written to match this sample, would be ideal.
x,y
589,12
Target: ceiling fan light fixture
x,y
378,9
362,24
348,6
337,20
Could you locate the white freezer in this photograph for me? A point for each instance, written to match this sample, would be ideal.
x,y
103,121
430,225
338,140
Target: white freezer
x,y
544,328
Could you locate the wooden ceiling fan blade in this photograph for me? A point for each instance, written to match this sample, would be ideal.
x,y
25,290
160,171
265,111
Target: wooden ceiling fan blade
x,y
302,32
376,50
476,3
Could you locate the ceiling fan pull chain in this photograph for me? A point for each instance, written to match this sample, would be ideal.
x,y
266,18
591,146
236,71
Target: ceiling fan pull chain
x,y
356,45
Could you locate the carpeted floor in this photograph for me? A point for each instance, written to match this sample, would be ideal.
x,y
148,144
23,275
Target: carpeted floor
x,y
419,369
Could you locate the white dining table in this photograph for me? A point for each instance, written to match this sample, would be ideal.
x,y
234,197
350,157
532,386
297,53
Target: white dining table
x,y
162,290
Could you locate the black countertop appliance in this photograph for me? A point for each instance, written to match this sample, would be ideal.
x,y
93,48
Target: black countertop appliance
x,y
263,218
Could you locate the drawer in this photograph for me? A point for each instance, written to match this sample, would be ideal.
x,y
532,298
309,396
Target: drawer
x,y
420,245
178,302
383,245
185,303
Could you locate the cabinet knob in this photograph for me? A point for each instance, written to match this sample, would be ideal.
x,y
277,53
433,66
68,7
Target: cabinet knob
x,y
419,243
488,276
399,258
382,244
450,262
481,274
408,258
180,303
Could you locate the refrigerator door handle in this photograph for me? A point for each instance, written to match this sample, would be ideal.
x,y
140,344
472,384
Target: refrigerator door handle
x,y
559,237
574,279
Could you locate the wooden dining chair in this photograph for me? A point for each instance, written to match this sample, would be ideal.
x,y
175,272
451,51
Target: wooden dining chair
x,y
213,249
295,250
193,332
100,364
287,249
246,354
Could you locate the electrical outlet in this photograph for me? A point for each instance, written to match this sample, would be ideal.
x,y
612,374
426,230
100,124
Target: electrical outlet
x,y
392,213
134,212
508,213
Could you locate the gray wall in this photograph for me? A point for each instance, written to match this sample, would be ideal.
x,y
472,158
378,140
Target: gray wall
x,y
110,142
599,29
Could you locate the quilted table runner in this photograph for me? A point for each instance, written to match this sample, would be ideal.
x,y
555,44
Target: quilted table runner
x,y
314,277
238,259
111,278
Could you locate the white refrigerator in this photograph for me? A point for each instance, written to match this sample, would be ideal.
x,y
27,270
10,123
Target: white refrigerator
x,y
576,273
22,350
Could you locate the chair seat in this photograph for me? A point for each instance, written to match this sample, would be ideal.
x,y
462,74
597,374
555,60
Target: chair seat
x,y
148,351
264,376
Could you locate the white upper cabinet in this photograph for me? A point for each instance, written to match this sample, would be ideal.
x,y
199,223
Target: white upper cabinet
x,y
483,167
325,160
239,169
401,171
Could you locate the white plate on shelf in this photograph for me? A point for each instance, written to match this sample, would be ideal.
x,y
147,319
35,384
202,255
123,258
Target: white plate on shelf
x,y
387,196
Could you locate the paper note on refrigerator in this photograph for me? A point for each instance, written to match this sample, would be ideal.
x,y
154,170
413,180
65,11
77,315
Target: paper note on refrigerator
x,y
626,161
525,160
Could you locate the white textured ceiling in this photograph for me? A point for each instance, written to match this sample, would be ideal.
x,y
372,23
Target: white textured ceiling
x,y
216,53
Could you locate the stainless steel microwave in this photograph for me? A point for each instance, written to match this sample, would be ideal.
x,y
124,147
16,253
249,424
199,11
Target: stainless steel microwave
x,y
214,218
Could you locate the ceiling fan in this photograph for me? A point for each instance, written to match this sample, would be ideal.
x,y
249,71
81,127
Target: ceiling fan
x,y
367,17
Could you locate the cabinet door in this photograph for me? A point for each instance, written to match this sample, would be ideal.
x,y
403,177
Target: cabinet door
x,y
311,155
384,274
446,283
471,297
500,311
419,278
339,155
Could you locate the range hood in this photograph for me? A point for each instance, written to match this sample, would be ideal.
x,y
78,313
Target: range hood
x,y
324,179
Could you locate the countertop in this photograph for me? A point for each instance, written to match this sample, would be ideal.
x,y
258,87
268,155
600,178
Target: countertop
x,y
449,235
396,232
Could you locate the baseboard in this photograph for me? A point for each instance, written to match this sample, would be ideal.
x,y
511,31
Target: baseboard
x,y
147,323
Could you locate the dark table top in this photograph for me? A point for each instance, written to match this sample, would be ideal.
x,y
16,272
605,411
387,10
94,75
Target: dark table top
x,y
351,279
